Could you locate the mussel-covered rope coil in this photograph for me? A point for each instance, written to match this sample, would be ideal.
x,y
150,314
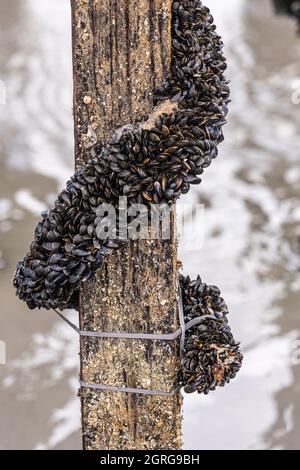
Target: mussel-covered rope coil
x,y
149,166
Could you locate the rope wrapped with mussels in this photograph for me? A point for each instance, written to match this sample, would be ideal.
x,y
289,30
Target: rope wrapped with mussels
x,y
211,356
150,166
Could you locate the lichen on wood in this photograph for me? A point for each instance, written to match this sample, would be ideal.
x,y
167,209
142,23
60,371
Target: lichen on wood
x,y
121,51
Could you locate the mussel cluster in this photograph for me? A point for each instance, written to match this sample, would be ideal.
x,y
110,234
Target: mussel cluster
x,y
145,165
211,355
148,166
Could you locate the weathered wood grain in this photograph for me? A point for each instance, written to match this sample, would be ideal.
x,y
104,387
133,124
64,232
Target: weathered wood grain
x,y
121,51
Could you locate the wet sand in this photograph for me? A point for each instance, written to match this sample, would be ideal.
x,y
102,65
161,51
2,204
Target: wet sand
x,y
251,247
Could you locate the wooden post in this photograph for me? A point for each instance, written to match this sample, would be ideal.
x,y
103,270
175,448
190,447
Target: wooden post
x,y
121,52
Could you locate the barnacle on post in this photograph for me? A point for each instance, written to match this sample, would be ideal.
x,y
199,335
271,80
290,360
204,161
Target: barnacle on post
x,y
149,165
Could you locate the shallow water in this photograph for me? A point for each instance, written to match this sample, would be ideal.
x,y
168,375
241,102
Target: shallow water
x,y
251,222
